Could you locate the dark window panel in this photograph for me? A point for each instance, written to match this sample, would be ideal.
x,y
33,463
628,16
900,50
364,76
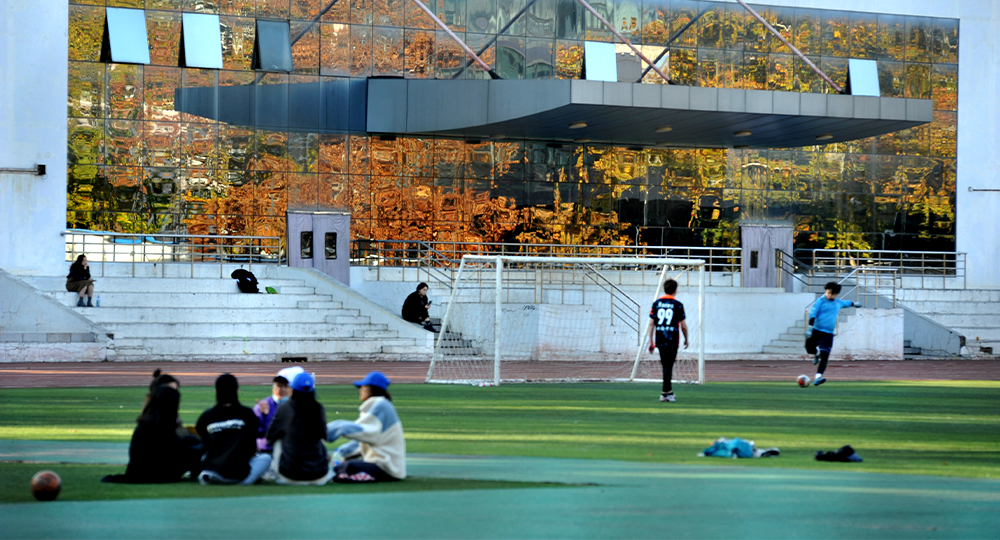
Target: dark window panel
x,y
330,245
125,39
452,13
161,85
476,42
918,81
538,59
85,142
273,9
918,39
807,80
387,56
237,146
681,13
783,20
306,51
892,36
238,37
361,50
712,27
244,8
505,12
808,31
510,57
836,69
568,59
86,90
449,55
781,72
944,134
418,59
892,78
272,50
124,91
271,100
306,244
836,34
656,21
335,49
594,30
86,30
864,36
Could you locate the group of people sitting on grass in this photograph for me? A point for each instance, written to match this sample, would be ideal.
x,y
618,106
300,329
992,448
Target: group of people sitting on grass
x,y
281,439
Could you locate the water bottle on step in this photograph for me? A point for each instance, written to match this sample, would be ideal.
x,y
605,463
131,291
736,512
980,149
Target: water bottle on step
x,y
98,304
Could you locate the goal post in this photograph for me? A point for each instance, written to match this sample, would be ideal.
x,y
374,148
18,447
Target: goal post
x,y
543,318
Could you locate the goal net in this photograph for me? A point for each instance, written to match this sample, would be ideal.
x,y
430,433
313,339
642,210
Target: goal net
x,y
548,319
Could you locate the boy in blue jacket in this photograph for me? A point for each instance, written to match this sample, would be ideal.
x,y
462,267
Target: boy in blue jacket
x,y
822,322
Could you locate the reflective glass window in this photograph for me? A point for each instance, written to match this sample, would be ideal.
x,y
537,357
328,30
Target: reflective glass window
x,y
273,50
330,245
125,39
306,244
86,30
201,41
305,51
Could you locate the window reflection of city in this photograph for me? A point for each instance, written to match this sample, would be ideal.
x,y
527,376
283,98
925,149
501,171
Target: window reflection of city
x,y
137,164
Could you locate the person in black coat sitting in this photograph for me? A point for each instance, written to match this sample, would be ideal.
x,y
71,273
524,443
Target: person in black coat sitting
x,y
79,281
415,308
228,432
157,454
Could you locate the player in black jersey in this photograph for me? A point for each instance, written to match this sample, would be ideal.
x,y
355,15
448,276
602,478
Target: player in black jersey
x,y
666,320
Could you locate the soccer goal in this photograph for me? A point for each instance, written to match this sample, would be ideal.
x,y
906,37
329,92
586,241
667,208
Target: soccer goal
x,y
572,319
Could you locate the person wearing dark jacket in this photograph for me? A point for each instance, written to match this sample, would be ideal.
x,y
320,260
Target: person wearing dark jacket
x,y
228,433
79,281
297,434
415,308
156,453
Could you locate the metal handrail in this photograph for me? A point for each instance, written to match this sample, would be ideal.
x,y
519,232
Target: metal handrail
x,y
781,262
927,265
614,289
857,286
197,249
401,253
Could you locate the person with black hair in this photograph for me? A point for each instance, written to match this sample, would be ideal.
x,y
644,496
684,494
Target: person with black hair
x,y
415,308
228,432
297,434
666,320
377,452
79,281
822,323
165,379
156,453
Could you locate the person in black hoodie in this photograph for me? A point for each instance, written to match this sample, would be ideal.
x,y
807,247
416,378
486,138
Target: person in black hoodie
x,y
156,453
228,432
79,281
297,434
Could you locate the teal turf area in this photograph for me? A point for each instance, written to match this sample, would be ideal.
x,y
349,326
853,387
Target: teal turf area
x,y
574,460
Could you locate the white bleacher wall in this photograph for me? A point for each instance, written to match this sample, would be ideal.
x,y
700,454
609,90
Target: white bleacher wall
x,y
740,320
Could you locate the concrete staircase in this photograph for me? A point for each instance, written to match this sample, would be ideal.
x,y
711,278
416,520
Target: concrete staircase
x,y
206,318
974,313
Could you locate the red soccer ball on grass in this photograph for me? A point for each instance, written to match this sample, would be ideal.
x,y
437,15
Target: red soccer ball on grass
x,y
804,381
46,485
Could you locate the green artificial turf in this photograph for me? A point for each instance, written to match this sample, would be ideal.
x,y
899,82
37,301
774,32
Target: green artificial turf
x,y
941,428
82,483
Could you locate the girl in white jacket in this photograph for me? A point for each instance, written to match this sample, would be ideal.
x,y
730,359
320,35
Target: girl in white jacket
x,y
377,452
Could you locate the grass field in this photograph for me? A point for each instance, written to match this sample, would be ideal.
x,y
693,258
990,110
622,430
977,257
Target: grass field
x,y
939,428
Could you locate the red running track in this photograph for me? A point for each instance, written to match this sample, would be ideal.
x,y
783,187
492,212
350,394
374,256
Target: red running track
x,y
80,374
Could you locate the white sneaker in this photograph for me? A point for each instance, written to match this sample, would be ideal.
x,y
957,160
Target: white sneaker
x,y
668,397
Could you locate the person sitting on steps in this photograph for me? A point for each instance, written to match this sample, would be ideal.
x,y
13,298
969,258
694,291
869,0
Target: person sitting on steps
x,y
79,281
415,308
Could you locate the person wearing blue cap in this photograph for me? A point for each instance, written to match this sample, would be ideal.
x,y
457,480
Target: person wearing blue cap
x,y
297,433
377,452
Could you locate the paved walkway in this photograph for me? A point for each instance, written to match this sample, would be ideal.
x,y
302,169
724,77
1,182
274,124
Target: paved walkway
x,y
82,374
622,500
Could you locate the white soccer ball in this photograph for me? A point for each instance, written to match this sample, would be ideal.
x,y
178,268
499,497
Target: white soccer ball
x,y
804,381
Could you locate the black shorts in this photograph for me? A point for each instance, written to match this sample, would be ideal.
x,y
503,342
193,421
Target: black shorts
x,y
824,341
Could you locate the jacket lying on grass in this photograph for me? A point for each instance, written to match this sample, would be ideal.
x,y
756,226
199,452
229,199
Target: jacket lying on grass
x,y
737,448
380,433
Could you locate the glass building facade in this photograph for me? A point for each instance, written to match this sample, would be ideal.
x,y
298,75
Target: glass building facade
x,y
138,164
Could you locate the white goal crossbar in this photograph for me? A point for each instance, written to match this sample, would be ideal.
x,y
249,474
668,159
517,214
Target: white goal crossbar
x,y
495,357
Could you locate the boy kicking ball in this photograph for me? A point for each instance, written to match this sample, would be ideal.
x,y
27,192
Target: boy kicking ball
x,y
822,321
666,320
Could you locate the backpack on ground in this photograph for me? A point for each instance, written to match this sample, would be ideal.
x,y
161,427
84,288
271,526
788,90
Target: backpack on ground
x,y
245,281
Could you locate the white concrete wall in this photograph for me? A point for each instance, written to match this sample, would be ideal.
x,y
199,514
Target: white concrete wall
x,y
34,327
870,334
33,89
977,219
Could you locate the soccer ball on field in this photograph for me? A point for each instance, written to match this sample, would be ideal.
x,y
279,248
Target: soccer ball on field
x,y
804,381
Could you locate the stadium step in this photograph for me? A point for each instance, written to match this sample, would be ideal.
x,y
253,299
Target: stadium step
x,y
207,318
972,313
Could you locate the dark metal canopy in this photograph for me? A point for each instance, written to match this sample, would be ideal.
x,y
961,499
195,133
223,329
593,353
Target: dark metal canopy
x,y
630,114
